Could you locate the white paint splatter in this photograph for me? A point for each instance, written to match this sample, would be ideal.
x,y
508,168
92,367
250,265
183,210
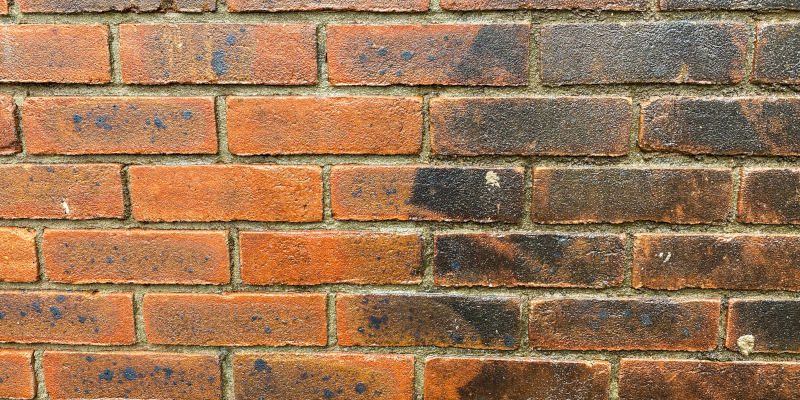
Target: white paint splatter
x,y
746,344
492,179
65,206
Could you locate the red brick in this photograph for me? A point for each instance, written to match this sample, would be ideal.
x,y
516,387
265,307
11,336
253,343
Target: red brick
x,y
278,376
18,255
494,55
66,317
626,194
739,262
317,257
758,5
9,143
237,319
55,53
61,191
695,379
770,196
771,323
119,125
429,193
136,256
658,323
154,54
85,6
311,5
515,378
3,7
613,5
132,375
776,53
226,193
324,125
16,374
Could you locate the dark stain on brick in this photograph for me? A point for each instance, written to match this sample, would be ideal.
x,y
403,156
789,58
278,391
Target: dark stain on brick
x,y
495,48
758,5
775,324
770,196
777,53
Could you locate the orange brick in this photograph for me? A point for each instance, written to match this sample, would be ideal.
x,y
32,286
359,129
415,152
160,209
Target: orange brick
x,y
136,256
55,53
324,125
16,374
306,5
226,193
218,53
3,7
66,317
119,125
61,191
239,319
615,5
84,6
18,260
9,144
317,257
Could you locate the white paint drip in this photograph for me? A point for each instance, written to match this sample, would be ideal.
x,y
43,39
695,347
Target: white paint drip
x,y
492,179
746,344
65,206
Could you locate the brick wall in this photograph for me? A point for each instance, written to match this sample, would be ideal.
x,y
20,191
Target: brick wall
x,y
398,199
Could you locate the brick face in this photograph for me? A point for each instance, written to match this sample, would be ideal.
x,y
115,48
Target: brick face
x,y
88,6
350,5
769,196
18,255
9,143
771,323
16,371
776,53
615,5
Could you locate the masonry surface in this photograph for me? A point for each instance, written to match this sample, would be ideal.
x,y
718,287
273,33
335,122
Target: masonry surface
x,y
400,199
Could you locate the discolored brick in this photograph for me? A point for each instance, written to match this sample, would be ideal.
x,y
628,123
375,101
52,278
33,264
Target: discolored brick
x,y
429,193
675,5
565,126
317,257
611,5
653,323
315,5
94,6
625,194
643,52
772,324
9,143
770,196
777,48
16,374
278,376
18,259
534,260
405,319
377,55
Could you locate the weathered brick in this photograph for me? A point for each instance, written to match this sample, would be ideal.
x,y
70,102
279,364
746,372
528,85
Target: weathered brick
x,y
675,5
84,6
624,324
616,195
726,126
317,257
696,379
312,5
60,191
515,378
772,324
66,317
405,319
9,143
494,55
613,5
136,256
565,126
55,53
535,260
278,376
741,262
155,54
777,53
770,196
324,125
16,374
132,375
3,7
643,52
226,193
237,319
417,192
18,260
119,125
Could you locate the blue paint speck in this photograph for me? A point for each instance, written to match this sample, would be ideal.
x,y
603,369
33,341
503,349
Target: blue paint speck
x,y
109,260
167,372
89,358
159,123
77,119
375,322
230,40
37,307
107,375
56,312
645,320
407,55
328,394
267,329
218,62
61,298
102,122
129,374
261,366
383,51
363,58
2,315
81,319
187,115
361,388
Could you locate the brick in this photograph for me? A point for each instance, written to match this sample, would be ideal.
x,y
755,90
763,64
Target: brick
x,y
18,260
3,7
565,126
406,319
95,6
770,196
758,5
722,126
772,324
377,55
278,376
315,5
155,54
430,193
533,260
695,379
136,256
738,262
119,125
611,5
622,194
776,57
66,317
55,53
515,378
643,52
61,191
318,257
226,193
239,319
16,374
135,375
9,143
651,323
324,125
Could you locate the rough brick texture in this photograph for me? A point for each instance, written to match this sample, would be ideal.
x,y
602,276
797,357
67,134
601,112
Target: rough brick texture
x,y
304,5
674,5
777,58
771,323
616,5
86,6
16,374
9,143
18,255
770,196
